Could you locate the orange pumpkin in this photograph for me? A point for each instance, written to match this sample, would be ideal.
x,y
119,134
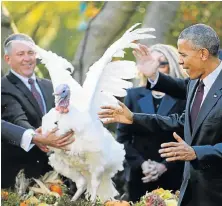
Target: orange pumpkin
x,y
117,203
4,195
24,203
56,188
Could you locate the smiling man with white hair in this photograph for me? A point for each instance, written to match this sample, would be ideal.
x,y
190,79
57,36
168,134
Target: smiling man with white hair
x,y
25,99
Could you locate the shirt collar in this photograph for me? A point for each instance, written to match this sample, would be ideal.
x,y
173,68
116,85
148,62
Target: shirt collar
x,y
22,78
210,79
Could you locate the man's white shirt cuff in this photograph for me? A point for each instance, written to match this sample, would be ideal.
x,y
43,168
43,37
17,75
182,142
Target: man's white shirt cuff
x,y
153,83
27,139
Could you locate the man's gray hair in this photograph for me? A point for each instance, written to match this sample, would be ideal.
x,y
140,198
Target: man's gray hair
x,y
202,36
21,37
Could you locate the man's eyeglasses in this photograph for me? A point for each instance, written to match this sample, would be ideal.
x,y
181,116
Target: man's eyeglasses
x,y
163,63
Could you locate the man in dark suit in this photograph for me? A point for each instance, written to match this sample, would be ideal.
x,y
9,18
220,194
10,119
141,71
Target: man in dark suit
x,y
202,149
25,99
141,144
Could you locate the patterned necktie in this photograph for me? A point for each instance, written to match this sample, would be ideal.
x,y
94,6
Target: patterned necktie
x,y
36,94
196,103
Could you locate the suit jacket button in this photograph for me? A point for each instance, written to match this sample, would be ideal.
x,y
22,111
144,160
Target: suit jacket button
x,y
37,161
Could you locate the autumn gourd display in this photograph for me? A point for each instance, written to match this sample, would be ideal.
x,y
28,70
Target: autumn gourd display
x,y
24,203
117,203
56,188
154,200
4,195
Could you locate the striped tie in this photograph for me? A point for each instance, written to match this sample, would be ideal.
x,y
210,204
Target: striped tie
x,y
196,103
36,94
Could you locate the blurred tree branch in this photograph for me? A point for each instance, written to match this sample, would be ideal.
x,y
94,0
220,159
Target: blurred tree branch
x,y
160,16
7,28
20,16
101,32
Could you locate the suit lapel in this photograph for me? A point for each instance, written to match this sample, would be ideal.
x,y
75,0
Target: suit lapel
x,y
211,99
192,89
22,87
147,106
46,94
166,105
146,102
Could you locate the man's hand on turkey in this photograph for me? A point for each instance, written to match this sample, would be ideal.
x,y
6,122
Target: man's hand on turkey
x,y
42,147
52,140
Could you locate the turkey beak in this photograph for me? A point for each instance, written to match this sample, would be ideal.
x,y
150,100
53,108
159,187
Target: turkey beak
x,y
55,94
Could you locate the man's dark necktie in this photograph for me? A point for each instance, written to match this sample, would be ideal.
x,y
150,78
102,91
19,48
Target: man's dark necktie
x,y
36,95
196,103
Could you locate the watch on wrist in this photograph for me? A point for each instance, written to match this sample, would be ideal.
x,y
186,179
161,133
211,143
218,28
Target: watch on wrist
x,y
33,135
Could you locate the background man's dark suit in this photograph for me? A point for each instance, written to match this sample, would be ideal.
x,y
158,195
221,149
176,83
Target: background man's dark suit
x,y
141,145
20,107
202,183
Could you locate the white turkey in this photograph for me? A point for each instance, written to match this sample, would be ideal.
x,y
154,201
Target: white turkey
x,y
95,156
